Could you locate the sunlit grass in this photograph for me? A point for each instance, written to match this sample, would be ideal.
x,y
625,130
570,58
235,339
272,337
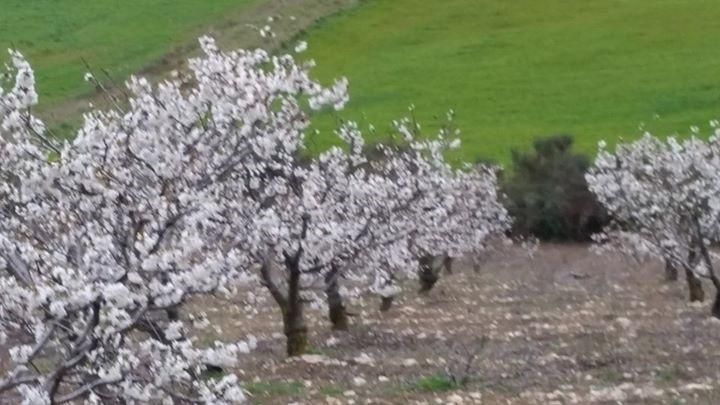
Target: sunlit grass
x,y
514,70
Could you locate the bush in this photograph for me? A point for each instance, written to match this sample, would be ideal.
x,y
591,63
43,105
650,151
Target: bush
x,y
547,194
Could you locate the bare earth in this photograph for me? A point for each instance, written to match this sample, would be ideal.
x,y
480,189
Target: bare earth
x,y
564,326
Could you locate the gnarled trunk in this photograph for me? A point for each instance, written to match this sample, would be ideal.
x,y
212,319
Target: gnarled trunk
x,y
476,265
716,305
337,313
386,303
695,288
290,305
671,272
294,317
427,274
295,331
710,268
448,264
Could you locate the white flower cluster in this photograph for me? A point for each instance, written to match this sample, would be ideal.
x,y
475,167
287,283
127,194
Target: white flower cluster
x,y
664,196
180,192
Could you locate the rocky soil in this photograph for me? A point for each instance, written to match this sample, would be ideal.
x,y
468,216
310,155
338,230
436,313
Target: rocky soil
x,y
563,326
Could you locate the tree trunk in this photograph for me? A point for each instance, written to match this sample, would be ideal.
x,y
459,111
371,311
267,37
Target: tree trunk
x,y
710,268
294,318
295,332
427,274
476,265
290,305
386,303
173,313
336,309
695,287
716,305
448,264
671,272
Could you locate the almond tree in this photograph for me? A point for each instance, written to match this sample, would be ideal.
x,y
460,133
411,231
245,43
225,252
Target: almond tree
x,y
176,192
663,196
474,217
335,215
424,208
104,238
337,218
342,216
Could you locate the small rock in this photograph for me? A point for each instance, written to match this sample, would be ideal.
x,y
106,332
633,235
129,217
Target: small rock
x,y
455,399
364,359
409,362
349,393
623,322
359,381
317,359
313,358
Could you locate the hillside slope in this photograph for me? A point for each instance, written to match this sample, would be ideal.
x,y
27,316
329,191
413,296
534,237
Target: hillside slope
x,y
150,37
514,70
120,36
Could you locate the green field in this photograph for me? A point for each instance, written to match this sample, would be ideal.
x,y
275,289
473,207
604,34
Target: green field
x,y
150,37
514,70
119,36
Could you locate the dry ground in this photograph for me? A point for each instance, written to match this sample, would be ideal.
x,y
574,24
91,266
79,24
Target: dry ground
x,y
565,326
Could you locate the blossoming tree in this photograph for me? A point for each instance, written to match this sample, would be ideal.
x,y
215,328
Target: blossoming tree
x,y
178,191
446,213
663,196
105,237
316,219
338,217
459,216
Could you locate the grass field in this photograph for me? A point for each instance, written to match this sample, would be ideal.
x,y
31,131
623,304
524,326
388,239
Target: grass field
x,y
151,37
119,36
513,70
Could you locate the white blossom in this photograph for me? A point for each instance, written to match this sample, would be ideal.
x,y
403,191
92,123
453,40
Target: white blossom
x,y
664,197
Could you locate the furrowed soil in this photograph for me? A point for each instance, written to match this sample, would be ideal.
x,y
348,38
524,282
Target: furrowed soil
x,y
563,326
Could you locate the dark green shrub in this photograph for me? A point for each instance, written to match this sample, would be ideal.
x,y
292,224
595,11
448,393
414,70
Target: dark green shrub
x,y
547,194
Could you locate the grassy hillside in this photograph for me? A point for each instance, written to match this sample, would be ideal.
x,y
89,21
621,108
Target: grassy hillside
x,y
120,36
517,69
512,70
123,37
